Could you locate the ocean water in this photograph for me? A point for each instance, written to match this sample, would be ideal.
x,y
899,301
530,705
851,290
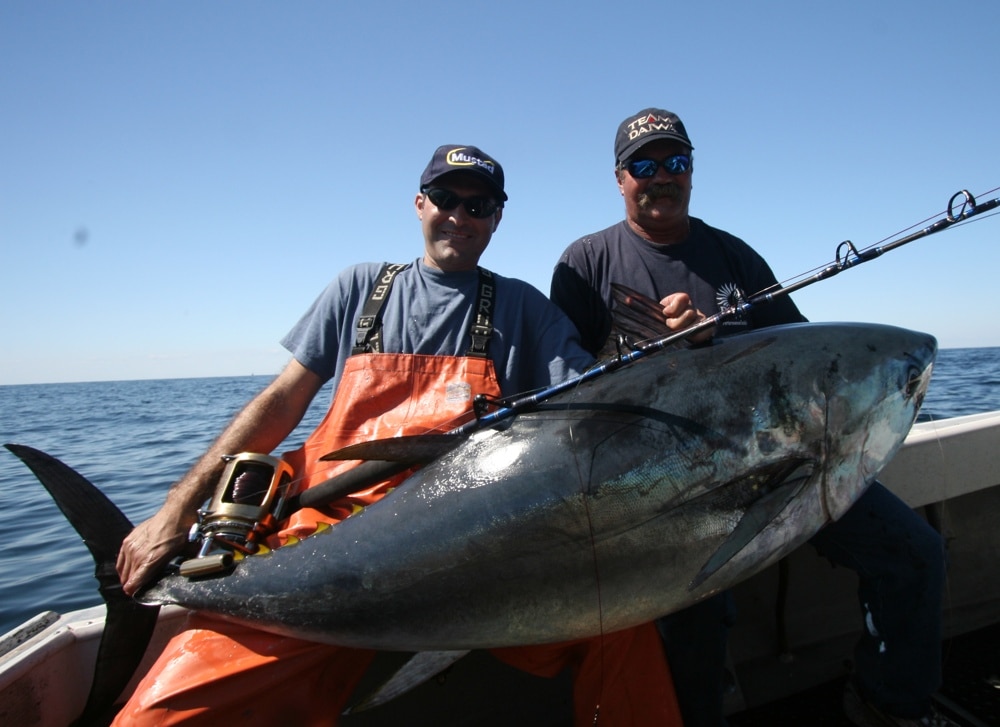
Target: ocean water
x,y
133,439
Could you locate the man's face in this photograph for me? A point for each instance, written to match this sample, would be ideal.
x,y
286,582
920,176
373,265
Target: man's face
x,y
661,199
454,240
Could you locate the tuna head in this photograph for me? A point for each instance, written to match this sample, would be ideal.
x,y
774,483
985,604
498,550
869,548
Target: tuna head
x,y
630,496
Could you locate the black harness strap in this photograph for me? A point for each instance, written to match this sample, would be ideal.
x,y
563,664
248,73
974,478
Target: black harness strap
x,y
368,338
481,329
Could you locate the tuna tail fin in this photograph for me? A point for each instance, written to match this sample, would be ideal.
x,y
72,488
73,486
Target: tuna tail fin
x,y
129,625
417,670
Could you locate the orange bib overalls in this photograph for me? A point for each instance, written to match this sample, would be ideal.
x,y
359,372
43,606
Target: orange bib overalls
x,y
217,669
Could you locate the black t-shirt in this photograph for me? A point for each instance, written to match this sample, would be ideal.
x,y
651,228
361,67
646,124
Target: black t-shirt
x,y
715,268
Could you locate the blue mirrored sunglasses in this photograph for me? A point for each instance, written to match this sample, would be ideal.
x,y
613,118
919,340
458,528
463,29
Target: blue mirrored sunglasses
x,y
646,168
445,199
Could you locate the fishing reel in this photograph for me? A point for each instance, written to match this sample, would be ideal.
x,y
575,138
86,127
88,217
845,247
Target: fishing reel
x,y
244,510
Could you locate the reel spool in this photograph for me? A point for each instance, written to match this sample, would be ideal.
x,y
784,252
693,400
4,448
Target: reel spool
x,y
244,510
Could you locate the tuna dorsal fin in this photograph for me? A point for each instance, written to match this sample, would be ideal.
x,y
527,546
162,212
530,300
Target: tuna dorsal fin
x,y
129,625
421,667
411,449
762,495
637,315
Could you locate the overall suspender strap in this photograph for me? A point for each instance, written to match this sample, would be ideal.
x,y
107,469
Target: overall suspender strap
x,y
367,338
482,323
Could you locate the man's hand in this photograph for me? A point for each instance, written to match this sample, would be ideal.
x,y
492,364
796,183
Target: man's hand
x,y
148,548
260,427
679,313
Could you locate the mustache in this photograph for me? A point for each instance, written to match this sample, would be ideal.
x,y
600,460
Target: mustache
x,y
657,191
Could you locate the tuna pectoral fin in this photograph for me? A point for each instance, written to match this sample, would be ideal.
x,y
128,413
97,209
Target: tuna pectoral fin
x,y
423,666
129,625
761,495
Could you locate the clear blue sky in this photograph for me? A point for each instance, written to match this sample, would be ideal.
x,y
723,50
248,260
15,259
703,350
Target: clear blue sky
x,y
178,180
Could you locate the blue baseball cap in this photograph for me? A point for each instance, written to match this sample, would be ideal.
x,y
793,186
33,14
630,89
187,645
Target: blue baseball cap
x,y
464,158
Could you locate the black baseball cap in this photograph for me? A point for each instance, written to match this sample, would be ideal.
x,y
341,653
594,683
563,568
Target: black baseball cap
x,y
646,126
464,158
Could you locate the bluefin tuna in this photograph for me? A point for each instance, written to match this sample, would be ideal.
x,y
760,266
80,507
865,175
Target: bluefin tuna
x,y
630,496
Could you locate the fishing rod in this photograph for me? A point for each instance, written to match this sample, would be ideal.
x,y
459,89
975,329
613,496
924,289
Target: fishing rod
x,y
257,491
847,256
386,457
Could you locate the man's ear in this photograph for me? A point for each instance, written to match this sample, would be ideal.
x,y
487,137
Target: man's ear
x,y
418,204
496,218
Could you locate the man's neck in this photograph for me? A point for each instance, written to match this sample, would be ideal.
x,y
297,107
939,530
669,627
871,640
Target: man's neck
x,y
663,235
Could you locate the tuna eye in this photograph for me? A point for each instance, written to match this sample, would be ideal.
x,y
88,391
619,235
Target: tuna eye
x,y
913,379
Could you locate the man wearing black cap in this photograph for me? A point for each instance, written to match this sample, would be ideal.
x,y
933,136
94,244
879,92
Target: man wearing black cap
x,y
408,348
695,270
658,246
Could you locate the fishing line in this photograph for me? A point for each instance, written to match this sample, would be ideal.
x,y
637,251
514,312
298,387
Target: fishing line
x,y
598,593
961,209
937,513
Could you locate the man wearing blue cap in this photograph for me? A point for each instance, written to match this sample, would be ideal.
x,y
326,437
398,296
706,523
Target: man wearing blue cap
x,y
408,348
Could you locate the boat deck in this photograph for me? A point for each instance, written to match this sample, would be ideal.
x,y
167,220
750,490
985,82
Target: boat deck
x,y
970,693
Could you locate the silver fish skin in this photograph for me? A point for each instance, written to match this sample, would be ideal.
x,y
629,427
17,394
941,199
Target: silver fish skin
x,y
633,495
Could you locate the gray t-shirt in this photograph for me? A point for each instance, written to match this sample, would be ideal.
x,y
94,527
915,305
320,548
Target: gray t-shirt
x,y
430,312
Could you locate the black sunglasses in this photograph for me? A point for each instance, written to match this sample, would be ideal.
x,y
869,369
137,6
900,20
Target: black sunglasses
x,y
478,207
646,168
